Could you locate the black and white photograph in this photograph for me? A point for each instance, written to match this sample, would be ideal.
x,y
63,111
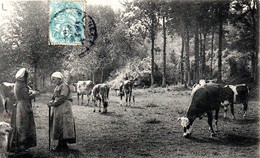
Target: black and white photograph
x,y
129,78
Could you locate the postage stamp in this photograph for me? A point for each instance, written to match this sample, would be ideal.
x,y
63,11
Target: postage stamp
x,y
67,21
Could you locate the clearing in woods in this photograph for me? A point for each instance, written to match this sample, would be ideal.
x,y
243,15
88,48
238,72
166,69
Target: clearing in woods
x,y
149,129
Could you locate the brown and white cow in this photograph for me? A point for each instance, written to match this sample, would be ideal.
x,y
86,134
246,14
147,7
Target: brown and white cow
x,y
235,94
100,93
84,88
126,89
205,99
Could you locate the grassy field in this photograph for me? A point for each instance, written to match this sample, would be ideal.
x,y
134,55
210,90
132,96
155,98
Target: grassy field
x,y
149,129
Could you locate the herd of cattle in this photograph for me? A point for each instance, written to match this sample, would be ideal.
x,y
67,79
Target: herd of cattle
x,y
97,93
206,97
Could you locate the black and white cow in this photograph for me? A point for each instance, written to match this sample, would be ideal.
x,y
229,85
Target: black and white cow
x,y
205,99
126,89
201,83
235,94
83,88
100,93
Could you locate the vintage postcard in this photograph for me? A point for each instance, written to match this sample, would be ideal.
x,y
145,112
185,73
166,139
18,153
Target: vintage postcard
x,y
129,78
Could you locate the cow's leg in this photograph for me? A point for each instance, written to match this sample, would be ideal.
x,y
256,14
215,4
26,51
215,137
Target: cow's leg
x,y
105,104
210,118
245,108
232,111
82,96
126,99
78,97
121,99
5,106
130,95
95,104
134,99
99,107
216,119
225,111
88,98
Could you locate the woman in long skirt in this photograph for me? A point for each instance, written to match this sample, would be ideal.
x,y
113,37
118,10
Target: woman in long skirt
x,y
63,125
23,135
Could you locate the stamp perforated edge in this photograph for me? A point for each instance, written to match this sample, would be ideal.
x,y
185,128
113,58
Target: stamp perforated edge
x,y
48,13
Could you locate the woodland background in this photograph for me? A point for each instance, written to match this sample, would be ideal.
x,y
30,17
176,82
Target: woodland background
x,y
159,42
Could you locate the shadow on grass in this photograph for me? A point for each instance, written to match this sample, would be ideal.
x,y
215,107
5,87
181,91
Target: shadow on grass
x,y
69,154
228,139
113,114
136,107
246,121
241,121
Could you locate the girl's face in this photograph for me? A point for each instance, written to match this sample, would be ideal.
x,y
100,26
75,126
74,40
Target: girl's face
x,y
55,80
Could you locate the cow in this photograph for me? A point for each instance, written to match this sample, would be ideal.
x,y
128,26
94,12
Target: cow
x,y
235,94
206,99
100,93
83,88
201,83
126,89
7,94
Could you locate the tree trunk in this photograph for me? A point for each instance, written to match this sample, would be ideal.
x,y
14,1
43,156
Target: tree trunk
x,y
35,77
102,74
43,81
187,57
200,56
196,43
220,46
204,56
211,54
254,56
182,52
93,77
164,53
152,53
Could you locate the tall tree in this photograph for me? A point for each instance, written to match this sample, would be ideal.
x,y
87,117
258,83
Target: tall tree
x,y
144,13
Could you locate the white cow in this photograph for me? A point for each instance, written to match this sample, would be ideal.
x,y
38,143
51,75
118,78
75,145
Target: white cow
x,y
84,88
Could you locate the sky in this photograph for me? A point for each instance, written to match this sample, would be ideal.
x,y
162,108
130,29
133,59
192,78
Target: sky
x,y
6,9
115,4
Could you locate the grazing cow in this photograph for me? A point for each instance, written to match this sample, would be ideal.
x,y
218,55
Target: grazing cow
x,y
201,83
204,100
84,88
126,89
100,93
7,93
236,94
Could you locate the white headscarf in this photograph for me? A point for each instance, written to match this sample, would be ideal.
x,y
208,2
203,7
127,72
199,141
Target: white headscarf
x,y
57,75
20,74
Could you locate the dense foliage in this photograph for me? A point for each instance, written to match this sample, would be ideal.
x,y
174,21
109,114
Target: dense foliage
x,y
156,41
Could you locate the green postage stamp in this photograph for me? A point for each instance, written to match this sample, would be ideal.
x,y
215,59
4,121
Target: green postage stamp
x,y
67,22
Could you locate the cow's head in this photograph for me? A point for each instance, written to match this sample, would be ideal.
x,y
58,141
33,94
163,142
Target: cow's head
x,y
187,126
